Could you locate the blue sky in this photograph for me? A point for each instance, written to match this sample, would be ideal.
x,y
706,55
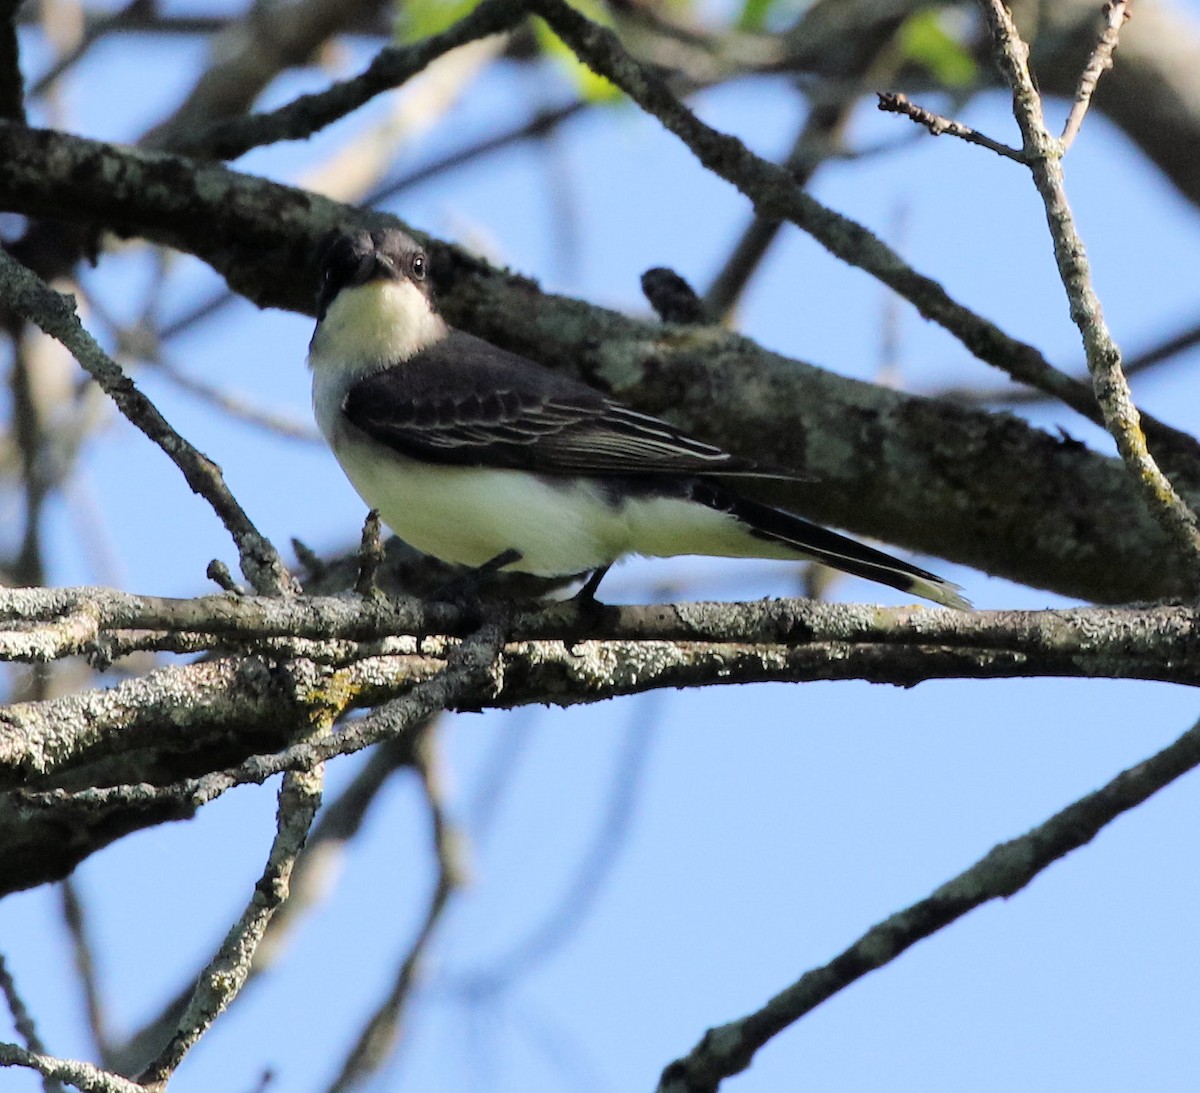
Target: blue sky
x,y
767,827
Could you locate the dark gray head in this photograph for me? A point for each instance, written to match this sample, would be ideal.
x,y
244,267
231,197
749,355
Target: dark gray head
x,y
351,259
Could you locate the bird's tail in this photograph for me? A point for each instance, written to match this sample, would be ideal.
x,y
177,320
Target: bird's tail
x,y
828,547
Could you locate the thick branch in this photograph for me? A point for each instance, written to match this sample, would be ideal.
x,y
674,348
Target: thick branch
x,y
150,745
983,489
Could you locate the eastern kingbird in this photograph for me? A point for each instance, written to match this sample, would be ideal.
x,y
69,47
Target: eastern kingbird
x,y
482,457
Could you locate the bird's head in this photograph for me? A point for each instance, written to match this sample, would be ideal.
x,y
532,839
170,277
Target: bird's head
x,y
375,302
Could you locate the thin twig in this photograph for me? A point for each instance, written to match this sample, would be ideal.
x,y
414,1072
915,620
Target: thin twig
x,y
378,1039
55,314
611,836
308,114
1044,157
1162,353
775,196
1004,871
95,28
1115,14
24,1023
541,125
28,431
239,408
84,1076
893,102
223,979
338,822
12,86
75,917
817,140
370,556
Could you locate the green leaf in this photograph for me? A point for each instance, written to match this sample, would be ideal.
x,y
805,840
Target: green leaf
x,y
925,40
591,87
417,19
754,15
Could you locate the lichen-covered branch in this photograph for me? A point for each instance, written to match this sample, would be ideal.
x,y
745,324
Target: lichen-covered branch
x,y
983,489
1043,154
159,746
84,1076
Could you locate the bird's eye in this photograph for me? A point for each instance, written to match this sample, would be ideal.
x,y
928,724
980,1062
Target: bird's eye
x,y
418,266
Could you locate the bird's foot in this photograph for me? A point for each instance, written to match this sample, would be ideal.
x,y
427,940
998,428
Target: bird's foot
x,y
464,590
584,601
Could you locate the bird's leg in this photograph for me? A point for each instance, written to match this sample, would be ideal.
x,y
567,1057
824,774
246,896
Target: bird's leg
x,y
586,596
467,585
494,565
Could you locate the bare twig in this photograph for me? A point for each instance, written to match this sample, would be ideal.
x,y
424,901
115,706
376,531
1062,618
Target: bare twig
x,y
379,1037
247,54
27,418
336,825
308,114
191,707
47,624
893,102
1162,353
55,314
541,125
776,196
1044,157
831,105
1004,871
24,1023
96,28
84,1076
370,555
223,979
595,864
236,407
75,917
1115,14
218,572
12,86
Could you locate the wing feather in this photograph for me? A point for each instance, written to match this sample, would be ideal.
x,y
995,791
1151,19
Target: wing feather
x,y
465,402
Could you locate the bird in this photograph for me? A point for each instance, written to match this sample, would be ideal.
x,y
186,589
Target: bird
x,y
484,458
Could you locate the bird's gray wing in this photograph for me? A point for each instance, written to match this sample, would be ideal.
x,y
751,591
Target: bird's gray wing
x,y
465,402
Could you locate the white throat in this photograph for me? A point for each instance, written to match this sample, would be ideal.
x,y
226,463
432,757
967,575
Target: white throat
x,y
372,326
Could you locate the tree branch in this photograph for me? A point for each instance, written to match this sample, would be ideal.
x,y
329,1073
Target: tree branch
x,y
1044,157
24,1024
120,759
892,102
223,979
308,114
1008,868
1115,14
85,1076
775,196
983,489
12,86
378,1038
55,314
